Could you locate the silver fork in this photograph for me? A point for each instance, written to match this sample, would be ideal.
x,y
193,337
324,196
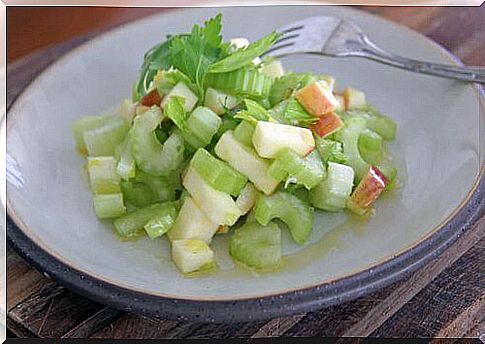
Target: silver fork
x,y
331,36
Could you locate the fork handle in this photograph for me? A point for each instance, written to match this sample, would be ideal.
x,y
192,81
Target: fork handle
x,y
365,48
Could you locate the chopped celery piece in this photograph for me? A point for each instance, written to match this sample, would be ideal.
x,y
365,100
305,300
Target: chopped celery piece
x,y
333,192
244,133
307,171
370,146
191,255
129,224
150,155
162,222
165,80
126,167
219,206
109,205
349,136
284,86
246,199
256,245
218,101
330,150
136,194
161,187
245,81
201,126
382,125
218,173
192,223
245,160
297,214
103,140
228,123
83,124
183,91
102,175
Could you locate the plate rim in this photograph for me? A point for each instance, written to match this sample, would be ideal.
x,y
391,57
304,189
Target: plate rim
x,y
378,275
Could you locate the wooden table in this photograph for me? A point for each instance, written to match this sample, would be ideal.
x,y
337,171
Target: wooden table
x,y
442,299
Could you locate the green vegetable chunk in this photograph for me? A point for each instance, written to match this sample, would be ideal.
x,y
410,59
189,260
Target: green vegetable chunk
x,y
349,136
244,133
83,124
284,86
330,151
247,82
333,192
256,246
109,205
161,187
102,175
150,155
128,225
126,167
162,222
103,140
218,173
297,214
307,171
370,146
138,195
201,126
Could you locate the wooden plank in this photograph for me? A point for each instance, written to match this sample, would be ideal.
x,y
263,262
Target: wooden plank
x,y
22,279
371,312
52,311
449,299
240,330
94,323
135,327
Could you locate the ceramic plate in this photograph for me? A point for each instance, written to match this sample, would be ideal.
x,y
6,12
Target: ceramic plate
x,y
437,154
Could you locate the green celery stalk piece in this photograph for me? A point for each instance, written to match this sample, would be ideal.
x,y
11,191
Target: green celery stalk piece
x,y
161,186
108,206
136,194
256,246
349,136
83,124
329,150
102,175
201,126
290,209
244,133
371,146
218,173
247,82
307,171
126,167
103,140
332,193
129,224
150,155
162,222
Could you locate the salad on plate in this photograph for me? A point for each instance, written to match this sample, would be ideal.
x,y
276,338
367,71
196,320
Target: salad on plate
x,y
218,140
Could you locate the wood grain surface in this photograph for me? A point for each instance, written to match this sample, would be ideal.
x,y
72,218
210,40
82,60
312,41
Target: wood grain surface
x,y
442,299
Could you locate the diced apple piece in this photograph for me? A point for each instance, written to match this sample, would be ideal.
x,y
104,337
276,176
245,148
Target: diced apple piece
x,y
317,98
192,223
245,160
270,138
273,69
190,255
218,101
127,110
368,190
218,206
246,199
241,42
327,124
341,102
354,99
151,98
182,90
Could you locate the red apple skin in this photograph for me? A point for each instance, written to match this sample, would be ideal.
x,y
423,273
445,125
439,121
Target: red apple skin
x,y
151,98
368,190
327,124
313,100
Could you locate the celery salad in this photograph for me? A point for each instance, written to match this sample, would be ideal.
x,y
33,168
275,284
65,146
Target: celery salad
x,y
219,141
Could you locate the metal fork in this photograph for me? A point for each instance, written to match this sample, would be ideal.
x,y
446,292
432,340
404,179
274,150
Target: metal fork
x,y
331,36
